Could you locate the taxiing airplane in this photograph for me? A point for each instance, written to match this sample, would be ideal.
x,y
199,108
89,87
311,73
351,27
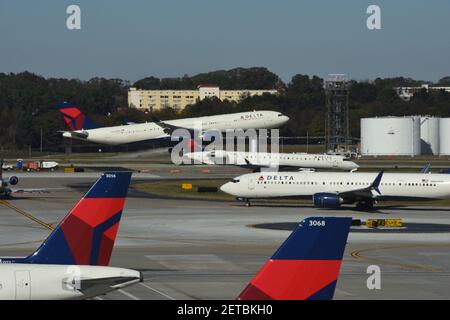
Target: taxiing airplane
x,y
306,266
72,262
258,160
82,128
332,189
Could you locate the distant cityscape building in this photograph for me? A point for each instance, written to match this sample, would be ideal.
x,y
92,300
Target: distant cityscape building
x,y
406,93
152,100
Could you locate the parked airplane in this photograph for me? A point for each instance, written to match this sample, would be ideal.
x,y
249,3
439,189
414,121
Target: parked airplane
x,y
307,264
71,262
61,282
332,189
258,160
82,128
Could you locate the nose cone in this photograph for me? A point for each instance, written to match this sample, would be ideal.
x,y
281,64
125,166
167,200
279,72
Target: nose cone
x,y
195,157
284,119
351,165
226,188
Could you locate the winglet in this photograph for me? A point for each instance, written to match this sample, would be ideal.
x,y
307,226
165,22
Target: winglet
x,y
426,168
376,182
307,264
86,235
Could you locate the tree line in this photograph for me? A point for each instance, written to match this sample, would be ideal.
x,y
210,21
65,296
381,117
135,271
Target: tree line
x,y
28,102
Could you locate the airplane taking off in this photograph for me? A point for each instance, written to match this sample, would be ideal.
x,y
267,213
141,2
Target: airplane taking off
x,y
82,128
258,160
306,266
332,189
80,246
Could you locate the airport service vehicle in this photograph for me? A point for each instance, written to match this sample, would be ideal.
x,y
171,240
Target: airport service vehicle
x,y
332,189
258,160
7,166
72,262
307,264
40,166
82,128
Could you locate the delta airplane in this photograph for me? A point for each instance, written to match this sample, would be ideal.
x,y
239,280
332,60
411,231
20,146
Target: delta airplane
x,y
258,160
72,262
306,266
82,128
332,189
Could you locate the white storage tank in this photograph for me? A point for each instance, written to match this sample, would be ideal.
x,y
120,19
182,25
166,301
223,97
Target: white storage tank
x,y
444,136
429,135
398,136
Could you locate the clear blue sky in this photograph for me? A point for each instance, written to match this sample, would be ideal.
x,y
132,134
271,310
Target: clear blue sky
x,y
137,38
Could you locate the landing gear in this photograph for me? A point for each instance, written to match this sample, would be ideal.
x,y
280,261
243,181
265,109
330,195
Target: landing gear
x,y
364,206
6,195
246,200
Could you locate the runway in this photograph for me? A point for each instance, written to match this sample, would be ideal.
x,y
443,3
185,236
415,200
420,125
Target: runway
x,y
191,249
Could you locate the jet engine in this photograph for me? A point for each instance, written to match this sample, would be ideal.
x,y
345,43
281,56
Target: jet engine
x,y
327,200
13,180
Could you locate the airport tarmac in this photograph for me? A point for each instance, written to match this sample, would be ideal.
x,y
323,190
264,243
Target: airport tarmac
x,y
191,249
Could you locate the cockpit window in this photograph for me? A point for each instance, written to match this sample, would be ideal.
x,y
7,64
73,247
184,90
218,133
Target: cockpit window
x,y
280,115
235,180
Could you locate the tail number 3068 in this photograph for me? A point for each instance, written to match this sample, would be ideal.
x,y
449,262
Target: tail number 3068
x,y
317,223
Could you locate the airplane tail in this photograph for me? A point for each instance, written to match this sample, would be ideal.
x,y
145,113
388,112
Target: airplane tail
x,y
307,264
74,118
86,235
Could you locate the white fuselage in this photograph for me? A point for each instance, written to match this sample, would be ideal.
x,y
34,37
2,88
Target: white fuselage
x,y
58,282
267,159
306,184
148,131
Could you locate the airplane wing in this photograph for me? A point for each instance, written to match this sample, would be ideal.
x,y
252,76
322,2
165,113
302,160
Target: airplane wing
x,y
364,193
36,190
168,128
75,134
242,161
100,286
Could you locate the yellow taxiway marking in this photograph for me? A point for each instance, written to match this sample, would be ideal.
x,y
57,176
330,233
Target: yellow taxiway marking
x,y
26,214
357,254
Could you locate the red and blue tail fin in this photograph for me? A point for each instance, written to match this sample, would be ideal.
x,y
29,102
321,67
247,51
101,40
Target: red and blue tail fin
x,y
86,235
307,264
74,118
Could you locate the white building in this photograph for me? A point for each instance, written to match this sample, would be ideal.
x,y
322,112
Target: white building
x,y
179,99
406,93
